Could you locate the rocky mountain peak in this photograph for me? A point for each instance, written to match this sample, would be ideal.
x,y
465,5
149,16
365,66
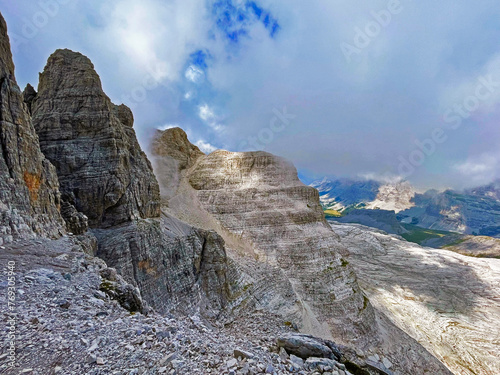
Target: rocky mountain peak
x,y
102,170
174,142
6,62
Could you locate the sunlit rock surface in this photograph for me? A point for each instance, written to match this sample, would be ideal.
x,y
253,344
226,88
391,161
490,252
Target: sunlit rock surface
x,y
288,258
448,302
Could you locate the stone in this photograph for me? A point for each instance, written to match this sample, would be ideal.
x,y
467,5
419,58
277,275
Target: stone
x,y
101,168
386,363
29,187
297,360
304,346
231,363
322,364
117,288
64,304
240,353
283,354
269,369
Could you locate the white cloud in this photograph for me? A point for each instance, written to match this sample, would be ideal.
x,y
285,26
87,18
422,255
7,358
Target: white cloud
x,y
373,109
167,126
206,113
194,74
387,178
155,36
205,147
479,170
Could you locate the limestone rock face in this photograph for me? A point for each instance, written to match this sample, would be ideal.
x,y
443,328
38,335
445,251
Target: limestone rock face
x,y
177,268
259,197
287,258
101,167
172,153
108,178
29,188
446,301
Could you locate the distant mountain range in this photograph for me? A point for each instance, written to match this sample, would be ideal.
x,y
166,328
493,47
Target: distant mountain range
x,y
472,211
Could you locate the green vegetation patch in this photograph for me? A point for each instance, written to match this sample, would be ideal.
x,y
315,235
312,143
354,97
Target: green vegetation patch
x,y
419,235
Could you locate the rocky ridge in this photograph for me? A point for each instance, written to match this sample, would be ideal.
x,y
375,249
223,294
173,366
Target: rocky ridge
x,y
271,221
95,319
106,176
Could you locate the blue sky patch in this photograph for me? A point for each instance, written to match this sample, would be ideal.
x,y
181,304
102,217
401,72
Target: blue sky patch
x,y
200,58
233,21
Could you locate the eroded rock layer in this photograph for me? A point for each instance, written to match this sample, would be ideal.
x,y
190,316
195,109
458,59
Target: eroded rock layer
x,y
29,188
288,259
101,167
447,301
106,176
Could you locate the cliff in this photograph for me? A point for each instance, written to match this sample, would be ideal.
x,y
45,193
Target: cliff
x,y
29,188
104,173
289,259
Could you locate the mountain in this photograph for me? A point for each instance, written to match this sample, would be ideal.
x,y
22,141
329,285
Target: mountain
x,y
105,175
344,194
446,301
29,188
475,211
472,211
190,263
288,256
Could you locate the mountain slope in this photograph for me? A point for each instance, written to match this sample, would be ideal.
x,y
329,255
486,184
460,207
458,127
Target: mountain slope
x,y
105,174
273,223
345,194
446,301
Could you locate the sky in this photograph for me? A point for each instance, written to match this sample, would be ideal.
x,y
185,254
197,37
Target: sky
x,y
368,89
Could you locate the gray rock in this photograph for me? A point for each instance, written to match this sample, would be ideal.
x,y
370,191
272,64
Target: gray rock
x,y
231,363
117,288
240,353
29,187
101,167
304,346
322,364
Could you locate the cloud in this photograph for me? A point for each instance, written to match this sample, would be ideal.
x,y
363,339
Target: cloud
x,y
207,114
194,74
222,67
478,170
205,147
167,126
